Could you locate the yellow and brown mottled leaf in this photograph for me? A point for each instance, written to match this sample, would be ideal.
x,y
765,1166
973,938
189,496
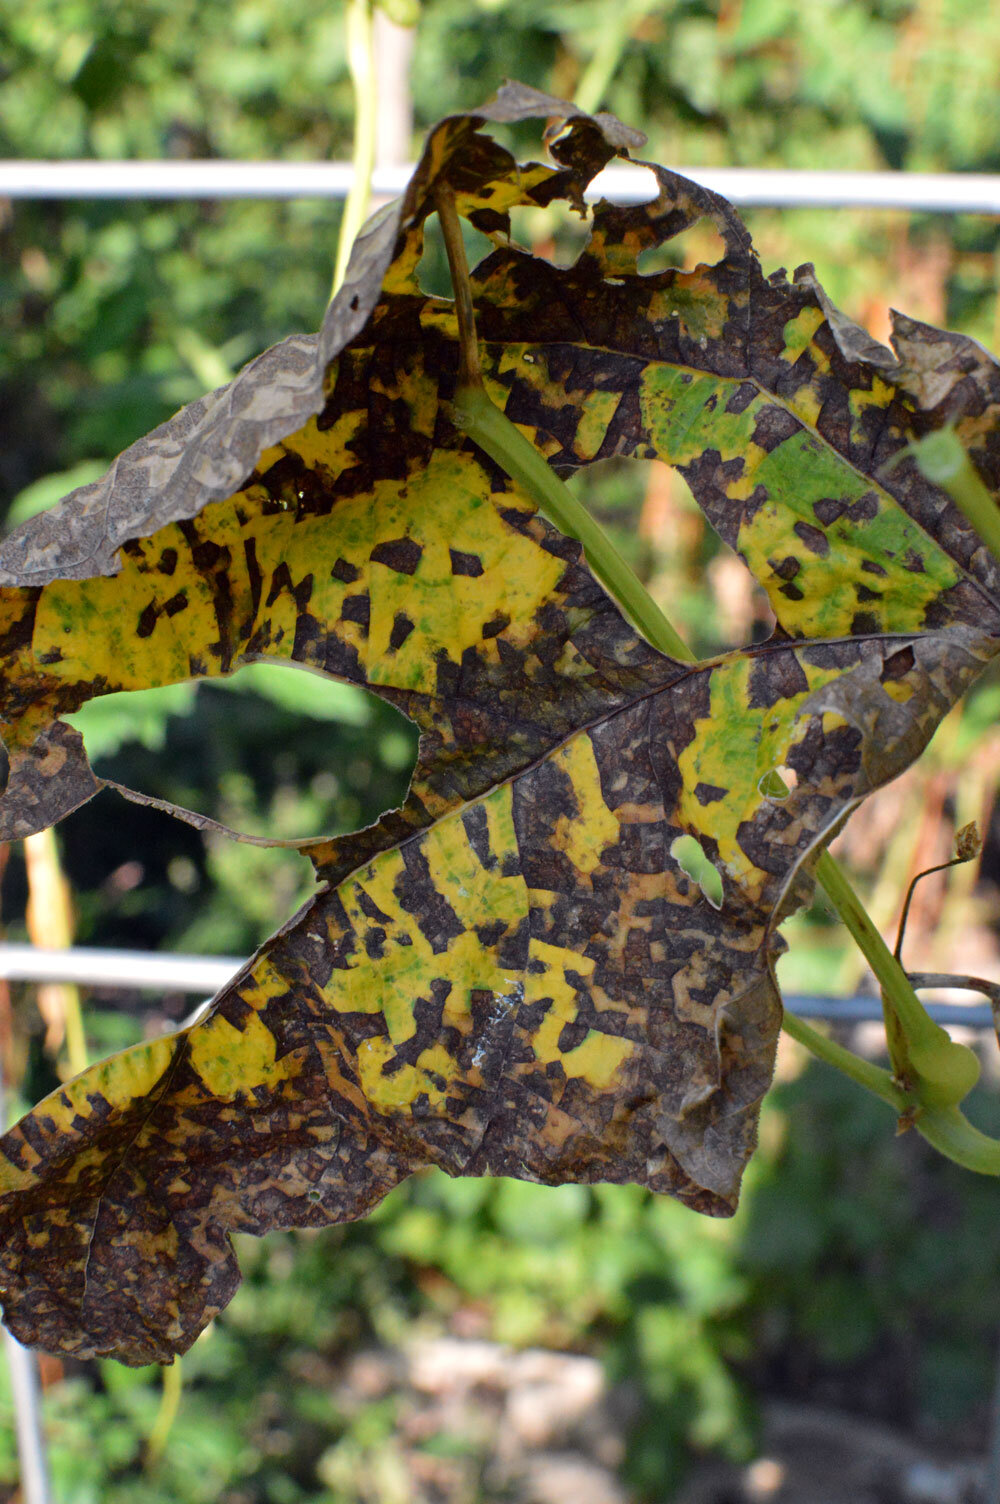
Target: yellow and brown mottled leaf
x,y
531,987
513,974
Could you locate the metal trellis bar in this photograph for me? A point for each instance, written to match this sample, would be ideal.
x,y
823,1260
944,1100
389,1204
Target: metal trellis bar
x,y
940,193
205,975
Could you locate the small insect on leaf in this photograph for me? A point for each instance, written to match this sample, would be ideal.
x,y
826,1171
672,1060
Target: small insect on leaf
x,y
690,855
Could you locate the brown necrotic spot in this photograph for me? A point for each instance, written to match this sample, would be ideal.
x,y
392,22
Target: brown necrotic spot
x,y
417,894
477,831
281,580
167,561
402,626
786,568
774,425
344,572
816,541
147,620
495,625
176,603
490,221
827,509
897,666
401,554
864,623
742,397
774,677
518,520
19,634
356,608
865,509
207,555
708,793
865,594
255,579
490,935
571,1035
374,941
913,562
469,564
870,567
370,908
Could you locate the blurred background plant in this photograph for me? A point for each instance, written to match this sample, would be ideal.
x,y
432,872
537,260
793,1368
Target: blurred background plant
x,y
860,1272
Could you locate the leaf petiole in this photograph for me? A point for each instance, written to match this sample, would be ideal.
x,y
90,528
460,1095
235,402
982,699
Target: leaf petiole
x,y
942,459
941,1071
476,415
872,1077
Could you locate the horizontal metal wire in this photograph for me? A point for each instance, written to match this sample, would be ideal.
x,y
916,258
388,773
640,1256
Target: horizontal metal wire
x,y
118,968
163,972
942,193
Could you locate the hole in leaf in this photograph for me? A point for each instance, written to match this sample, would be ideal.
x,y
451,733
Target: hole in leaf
x,y
692,858
554,233
778,783
292,752
657,526
700,245
432,268
274,750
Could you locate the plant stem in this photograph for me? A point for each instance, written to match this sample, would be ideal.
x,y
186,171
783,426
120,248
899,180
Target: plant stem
x,y
170,1398
942,459
943,1072
488,427
477,415
49,920
361,61
953,1135
872,1077
615,36
470,373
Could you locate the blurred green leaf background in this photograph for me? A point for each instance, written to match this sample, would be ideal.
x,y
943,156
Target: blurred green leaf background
x,y
860,1272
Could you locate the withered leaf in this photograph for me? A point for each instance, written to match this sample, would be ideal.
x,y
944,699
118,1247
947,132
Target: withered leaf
x,y
513,974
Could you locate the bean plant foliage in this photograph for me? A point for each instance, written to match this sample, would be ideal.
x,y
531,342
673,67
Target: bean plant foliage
x,y
512,974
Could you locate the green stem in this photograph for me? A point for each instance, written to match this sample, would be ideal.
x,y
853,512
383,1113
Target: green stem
x,y
470,374
361,61
487,426
943,1072
170,1398
916,1022
944,1127
953,1135
872,1077
942,459
476,414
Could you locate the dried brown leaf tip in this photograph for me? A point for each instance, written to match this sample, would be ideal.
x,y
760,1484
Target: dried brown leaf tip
x,y
968,842
515,973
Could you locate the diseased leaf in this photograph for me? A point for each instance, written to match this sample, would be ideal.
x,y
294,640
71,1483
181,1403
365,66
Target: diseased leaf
x,y
513,974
